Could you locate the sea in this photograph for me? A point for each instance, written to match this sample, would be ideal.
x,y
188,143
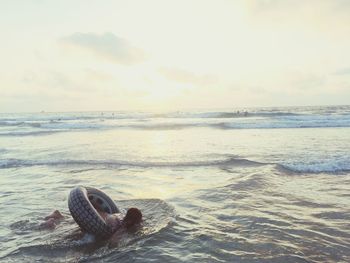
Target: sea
x,y
228,185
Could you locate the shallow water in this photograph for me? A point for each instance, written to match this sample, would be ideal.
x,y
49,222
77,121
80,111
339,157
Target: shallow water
x,y
213,188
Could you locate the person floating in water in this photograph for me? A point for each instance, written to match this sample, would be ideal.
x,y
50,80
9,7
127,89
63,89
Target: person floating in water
x,y
117,222
121,225
132,218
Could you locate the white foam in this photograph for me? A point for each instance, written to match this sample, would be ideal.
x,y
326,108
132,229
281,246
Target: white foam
x,y
321,166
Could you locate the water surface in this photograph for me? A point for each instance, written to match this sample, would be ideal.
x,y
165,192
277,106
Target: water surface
x,y
266,185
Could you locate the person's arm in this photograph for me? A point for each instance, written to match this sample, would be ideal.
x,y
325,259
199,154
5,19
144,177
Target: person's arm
x,y
113,221
116,238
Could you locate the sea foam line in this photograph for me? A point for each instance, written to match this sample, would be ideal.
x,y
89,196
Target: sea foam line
x,y
321,167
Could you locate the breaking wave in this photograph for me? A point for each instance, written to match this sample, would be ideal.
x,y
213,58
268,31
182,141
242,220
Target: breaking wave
x,y
319,167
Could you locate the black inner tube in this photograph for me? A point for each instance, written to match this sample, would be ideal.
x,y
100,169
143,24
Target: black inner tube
x,y
86,215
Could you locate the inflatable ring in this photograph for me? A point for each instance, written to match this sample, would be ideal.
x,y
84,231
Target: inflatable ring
x,y
80,204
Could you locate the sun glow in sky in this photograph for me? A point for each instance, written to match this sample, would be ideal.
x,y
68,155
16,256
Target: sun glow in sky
x,y
159,54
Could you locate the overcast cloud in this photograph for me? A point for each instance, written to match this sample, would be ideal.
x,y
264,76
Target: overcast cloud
x,y
138,55
108,46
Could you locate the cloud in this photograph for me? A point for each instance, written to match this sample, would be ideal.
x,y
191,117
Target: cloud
x,y
108,46
183,76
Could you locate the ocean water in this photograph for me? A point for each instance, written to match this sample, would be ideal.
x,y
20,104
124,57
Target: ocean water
x,y
242,185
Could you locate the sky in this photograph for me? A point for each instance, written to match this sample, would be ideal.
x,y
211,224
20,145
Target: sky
x,y
89,55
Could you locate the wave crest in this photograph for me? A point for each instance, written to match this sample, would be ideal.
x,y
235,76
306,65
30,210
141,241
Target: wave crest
x,y
331,166
231,161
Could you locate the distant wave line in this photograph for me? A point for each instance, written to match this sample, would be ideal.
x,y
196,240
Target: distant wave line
x,y
178,126
230,161
14,163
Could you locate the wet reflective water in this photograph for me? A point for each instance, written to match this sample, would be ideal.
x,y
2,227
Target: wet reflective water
x,y
207,194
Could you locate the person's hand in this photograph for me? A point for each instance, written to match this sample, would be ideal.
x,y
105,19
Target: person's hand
x,y
55,215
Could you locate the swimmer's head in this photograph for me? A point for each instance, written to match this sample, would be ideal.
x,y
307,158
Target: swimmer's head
x,y
133,217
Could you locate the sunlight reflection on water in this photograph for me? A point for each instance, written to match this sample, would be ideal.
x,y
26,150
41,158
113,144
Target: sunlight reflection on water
x,y
223,195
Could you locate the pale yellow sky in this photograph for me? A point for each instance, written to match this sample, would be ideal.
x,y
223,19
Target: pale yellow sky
x,y
169,55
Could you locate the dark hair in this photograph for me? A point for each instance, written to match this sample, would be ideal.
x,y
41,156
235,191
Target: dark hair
x,y
133,216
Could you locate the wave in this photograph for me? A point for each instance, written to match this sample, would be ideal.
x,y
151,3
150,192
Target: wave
x,y
332,166
281,125
3,150
322,167
231,161
29,133
258,118
222,114
8,119
20,123
255,124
